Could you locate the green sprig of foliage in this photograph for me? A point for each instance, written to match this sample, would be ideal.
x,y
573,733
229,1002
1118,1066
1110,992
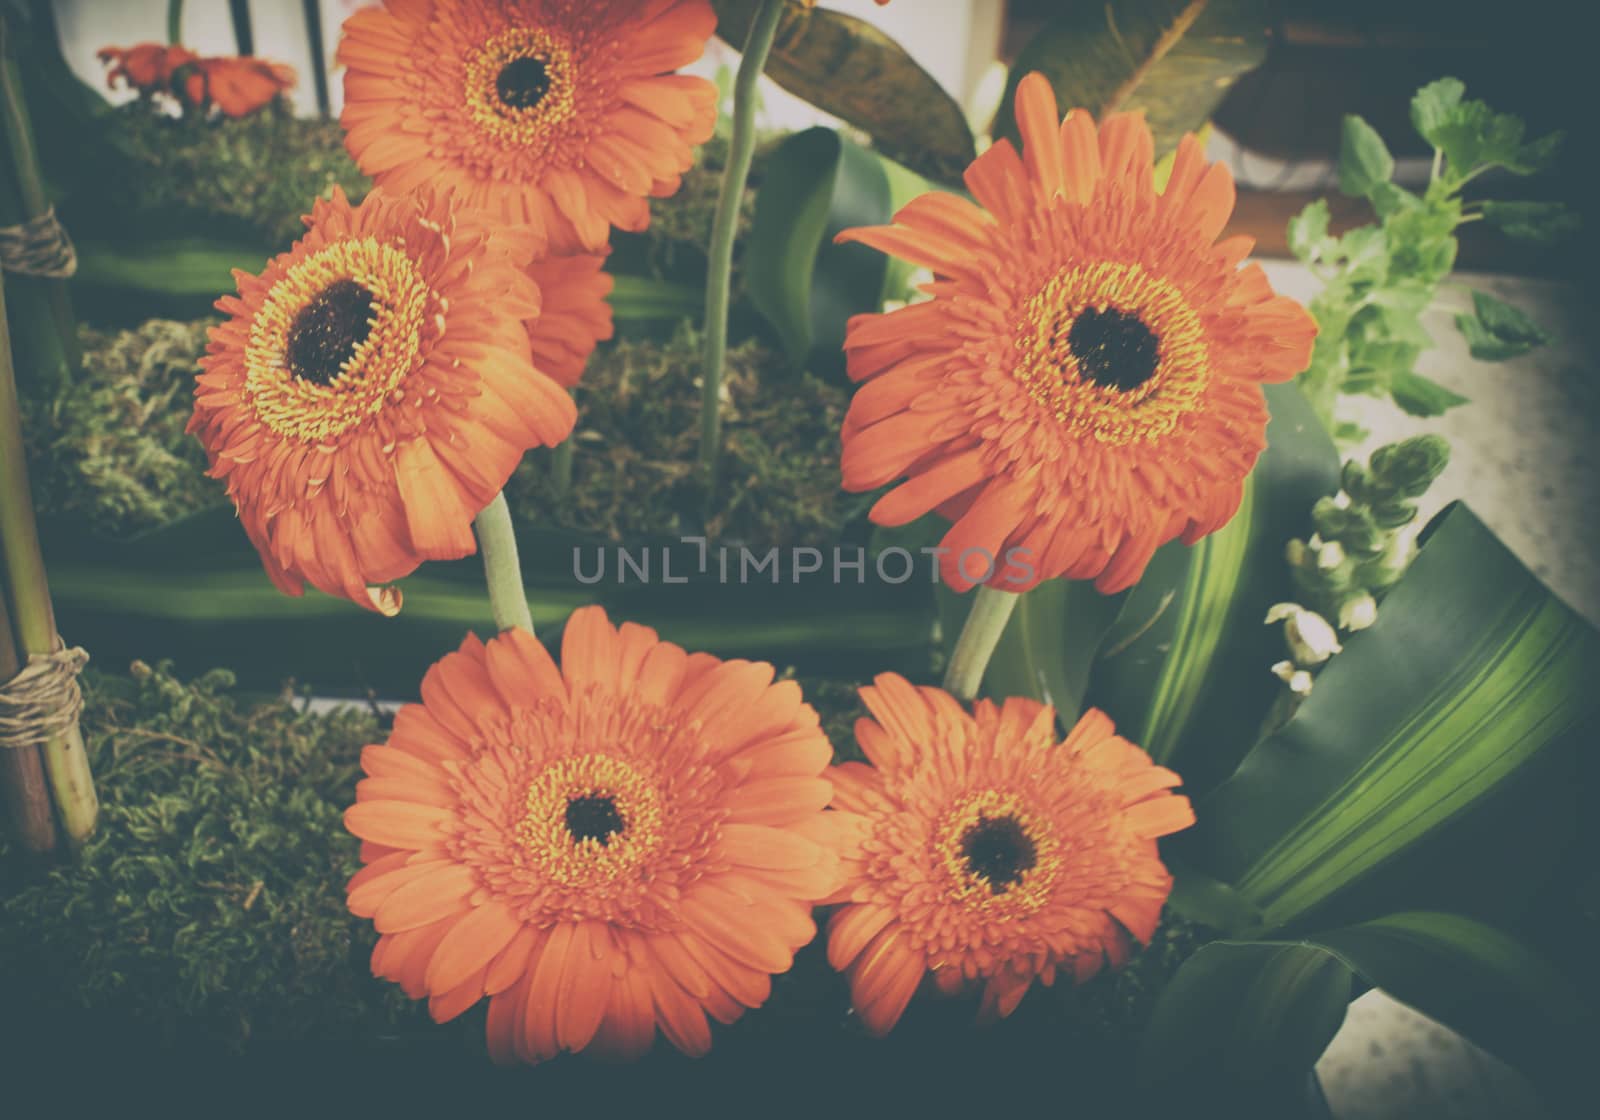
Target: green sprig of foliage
x,y
1380,278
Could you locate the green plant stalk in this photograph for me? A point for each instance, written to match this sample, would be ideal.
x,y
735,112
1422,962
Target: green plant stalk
x,y
28,595
980,634
24,796
174,22
30,199
497,540
741,150
561,467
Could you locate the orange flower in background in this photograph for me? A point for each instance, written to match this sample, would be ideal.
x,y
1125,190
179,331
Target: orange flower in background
x,y
630,841
236,86
980,849
575,313
146,67
372,390
1084,383
560,114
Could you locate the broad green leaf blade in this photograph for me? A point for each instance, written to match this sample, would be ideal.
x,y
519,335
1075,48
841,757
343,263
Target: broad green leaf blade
x,y
1174,59
194,591
1244,1022
1184,672
816,184
1475,979
645,298
1436,761
847,67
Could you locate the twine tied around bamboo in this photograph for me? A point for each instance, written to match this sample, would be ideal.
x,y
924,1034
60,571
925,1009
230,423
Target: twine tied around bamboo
x,y
38,247
43,700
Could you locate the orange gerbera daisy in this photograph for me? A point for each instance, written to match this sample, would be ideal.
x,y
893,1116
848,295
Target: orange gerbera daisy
x,y
574,315
372,390
980,849
1084,383
146,67
236,86
632,840
561,114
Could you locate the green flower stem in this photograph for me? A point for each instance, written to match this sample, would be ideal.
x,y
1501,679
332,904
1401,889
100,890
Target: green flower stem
x,y
561,467
175,22
24,797
741,149
497,540
28,597
23,198
986,622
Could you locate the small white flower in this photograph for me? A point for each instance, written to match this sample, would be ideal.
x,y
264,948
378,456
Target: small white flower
x,y
1310,638
1330,556
1358,612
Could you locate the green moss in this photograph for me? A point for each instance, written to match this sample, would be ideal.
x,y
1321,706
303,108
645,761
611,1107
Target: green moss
x,y
210,902
111,448
638,432
264,169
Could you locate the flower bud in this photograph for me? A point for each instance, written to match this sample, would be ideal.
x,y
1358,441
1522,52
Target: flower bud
x,y
1358,611
1330,556
1310,639
1409,467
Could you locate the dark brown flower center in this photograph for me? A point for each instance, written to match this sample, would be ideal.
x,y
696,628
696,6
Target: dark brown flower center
x,y
1114,348
998,851
593,816
522,83
327,331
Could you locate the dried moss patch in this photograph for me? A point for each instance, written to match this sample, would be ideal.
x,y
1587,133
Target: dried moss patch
x,y
635,470
111,448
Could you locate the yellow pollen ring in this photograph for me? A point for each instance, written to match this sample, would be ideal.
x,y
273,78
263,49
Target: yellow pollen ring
x,y
519,127
557,854
1049,370
302,409
1031,889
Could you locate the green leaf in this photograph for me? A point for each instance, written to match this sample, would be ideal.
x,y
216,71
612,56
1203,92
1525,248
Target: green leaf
x,y
1497,331
1174,59
1364,159
1184,671
847,67
1308,232
1541,222
1434,762
1435,105
1248,1019
1473,136
816,183
1422,396
1244,1022
645,298
1473,978
195,591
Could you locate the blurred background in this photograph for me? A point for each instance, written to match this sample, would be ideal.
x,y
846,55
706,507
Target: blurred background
x,y
1523,449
